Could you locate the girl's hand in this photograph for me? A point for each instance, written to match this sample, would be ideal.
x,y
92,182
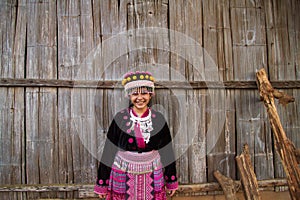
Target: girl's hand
x,y
171,192
102,196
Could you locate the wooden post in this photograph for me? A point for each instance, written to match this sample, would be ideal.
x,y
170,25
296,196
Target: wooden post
x,y
283,145
248,176
228,185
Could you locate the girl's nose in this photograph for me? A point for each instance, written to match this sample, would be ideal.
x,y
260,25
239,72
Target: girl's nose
x,y
140,95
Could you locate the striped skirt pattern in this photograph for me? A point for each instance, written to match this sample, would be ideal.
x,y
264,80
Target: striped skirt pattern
x,y
136,176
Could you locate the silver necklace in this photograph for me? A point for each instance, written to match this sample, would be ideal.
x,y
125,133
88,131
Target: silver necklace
x,y
145,124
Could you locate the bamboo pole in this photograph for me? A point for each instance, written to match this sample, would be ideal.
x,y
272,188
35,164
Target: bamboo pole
x,y
283,145
228,185
248,176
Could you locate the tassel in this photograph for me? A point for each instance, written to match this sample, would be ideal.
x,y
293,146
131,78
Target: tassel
x,y
139,137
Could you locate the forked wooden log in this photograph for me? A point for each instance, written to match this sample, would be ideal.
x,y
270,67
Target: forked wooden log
x,y
228,186
285,148
248,177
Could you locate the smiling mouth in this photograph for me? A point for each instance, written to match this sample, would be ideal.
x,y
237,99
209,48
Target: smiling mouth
x,y
139,102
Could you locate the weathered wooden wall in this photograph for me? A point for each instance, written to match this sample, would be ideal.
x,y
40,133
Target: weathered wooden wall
x,y
54,110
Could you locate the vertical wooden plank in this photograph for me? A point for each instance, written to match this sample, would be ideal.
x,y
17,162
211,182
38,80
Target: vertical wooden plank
x,y
145,47
48,137
112,45
283,31
41,113
11,134
19,47
176,17
182,18
249,40
86,31
75,21
41,40
102,125
270,37
96,21
190,25
19,98
68,25
293,124
123,43
196,131
217,37
225,156
169,103
161,41
192,14
65,142
230,133
264,154
12,45
41,137
8,11
68,19
192,41
32,144
98,38
283,40
246,121
186,39
87,67
225,58
296,17
77,147
136,19
217,61
253,130
219,151
113,15
249,53
210,28
18,134
84,115
181,142
86,72
84,126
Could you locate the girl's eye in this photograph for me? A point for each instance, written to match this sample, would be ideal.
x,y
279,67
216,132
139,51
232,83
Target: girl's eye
x,y
144,92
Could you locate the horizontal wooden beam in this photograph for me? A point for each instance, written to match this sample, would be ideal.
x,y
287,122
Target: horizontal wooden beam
x,y
108,84
204,187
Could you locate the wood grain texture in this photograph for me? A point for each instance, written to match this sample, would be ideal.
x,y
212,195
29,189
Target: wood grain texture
x,y
62,63
284,147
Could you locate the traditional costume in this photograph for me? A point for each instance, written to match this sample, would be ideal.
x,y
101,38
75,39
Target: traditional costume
x,y
138,160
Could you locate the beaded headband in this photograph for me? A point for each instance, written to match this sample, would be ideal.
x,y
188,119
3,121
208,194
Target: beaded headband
x,y
133,80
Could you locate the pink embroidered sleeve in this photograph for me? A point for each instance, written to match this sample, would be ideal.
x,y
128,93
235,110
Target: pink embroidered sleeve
x,y
100,189
172,185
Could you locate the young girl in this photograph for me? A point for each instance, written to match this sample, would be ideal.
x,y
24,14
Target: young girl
x,y
138,160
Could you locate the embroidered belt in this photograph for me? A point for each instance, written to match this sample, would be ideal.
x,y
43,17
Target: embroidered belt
x,y
137,163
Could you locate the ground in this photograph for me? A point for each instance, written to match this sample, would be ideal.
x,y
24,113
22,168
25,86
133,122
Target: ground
x,y
265,195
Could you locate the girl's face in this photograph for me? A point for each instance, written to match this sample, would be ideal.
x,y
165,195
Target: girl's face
x,y
140,98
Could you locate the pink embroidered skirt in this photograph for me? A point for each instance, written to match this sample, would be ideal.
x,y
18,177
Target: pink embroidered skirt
x,y
136,176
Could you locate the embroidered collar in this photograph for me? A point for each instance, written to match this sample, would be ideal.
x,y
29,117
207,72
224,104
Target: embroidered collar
x,y
145,114
144,123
